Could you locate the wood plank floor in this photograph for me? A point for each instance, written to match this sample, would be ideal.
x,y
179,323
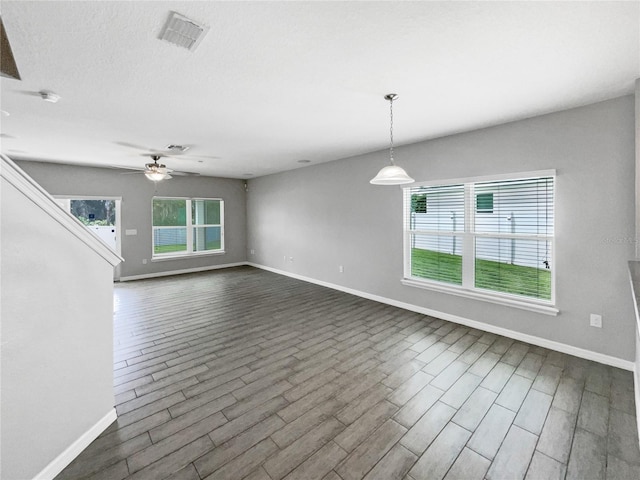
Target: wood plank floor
x,y
244,374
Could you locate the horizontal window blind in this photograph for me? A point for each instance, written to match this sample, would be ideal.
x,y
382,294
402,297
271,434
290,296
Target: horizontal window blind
x,y
523,207
437,257
494,236
437,209
513,255
435,222
513,266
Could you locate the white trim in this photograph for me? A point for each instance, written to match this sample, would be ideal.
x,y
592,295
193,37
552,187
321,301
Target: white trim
x,y
65,458
477,295
541,342
43,200
636,371
189,226
168,256
468,241
118,268
180,272
484,178
85,197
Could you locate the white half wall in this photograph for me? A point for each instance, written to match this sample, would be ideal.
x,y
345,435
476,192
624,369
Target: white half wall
x,y
311,220
57,333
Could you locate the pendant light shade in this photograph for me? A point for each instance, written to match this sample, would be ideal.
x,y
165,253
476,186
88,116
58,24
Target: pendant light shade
x,y
391,174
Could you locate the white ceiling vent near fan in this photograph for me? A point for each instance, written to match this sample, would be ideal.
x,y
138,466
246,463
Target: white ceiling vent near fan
x,y
183,32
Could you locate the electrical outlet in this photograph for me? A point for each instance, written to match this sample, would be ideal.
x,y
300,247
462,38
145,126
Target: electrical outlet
x,y
595,320
340,268
253,252
144,261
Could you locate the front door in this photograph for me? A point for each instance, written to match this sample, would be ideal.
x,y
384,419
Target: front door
x,y
100,216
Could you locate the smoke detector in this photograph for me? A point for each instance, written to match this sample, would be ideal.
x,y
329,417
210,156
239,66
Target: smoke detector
x,y
183,32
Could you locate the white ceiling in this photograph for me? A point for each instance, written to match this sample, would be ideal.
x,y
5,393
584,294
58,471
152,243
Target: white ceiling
x,y
273,83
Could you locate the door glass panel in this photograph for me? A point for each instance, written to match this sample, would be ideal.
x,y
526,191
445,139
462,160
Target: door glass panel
x,y
99,216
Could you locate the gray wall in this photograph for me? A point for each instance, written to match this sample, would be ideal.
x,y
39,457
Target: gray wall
x,y
57,337
136,192
329,215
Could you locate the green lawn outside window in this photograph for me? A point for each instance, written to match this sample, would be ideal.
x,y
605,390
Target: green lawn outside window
x,y
503,277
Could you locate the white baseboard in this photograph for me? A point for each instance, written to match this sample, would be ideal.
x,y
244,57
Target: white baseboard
x,y
180,272
66,457
541,342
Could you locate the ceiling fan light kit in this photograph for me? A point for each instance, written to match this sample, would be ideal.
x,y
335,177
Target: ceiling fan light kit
x,y
157,176
49,96
391,174
155,171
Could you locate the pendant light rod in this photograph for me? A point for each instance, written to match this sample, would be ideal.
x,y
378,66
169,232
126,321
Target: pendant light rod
x,y
391,174
391,97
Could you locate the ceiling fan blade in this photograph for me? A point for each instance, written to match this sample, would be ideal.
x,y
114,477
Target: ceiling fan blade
x,y
126,169
164,153
137,147
199,157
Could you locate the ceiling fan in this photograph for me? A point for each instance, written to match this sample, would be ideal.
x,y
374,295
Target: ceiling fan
x,y
171,150
157,171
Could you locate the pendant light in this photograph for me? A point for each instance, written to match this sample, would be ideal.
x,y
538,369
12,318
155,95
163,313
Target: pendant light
x,y
391,174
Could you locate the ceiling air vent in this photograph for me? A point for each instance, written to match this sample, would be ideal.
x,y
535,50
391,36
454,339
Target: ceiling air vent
x,y
183,32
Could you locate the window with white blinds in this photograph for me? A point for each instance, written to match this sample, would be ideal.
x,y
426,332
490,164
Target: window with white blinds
x,y
492,236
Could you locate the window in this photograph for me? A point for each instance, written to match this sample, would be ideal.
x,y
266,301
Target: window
x,y
419,203
187,226
484,202
489,238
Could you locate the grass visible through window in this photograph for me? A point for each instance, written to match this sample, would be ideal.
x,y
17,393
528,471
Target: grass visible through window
x,y
439,266
490,275
181,247
176,247
515,279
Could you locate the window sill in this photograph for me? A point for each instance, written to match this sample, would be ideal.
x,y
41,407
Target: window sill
x,y
179,256
500,300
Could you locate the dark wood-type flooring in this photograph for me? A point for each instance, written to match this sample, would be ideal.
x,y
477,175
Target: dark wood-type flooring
x,y
245,374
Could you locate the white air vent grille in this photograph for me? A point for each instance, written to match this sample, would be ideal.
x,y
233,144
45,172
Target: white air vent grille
x,y
183,32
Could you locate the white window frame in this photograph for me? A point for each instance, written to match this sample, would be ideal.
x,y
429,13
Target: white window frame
x,y
468,289
189,233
